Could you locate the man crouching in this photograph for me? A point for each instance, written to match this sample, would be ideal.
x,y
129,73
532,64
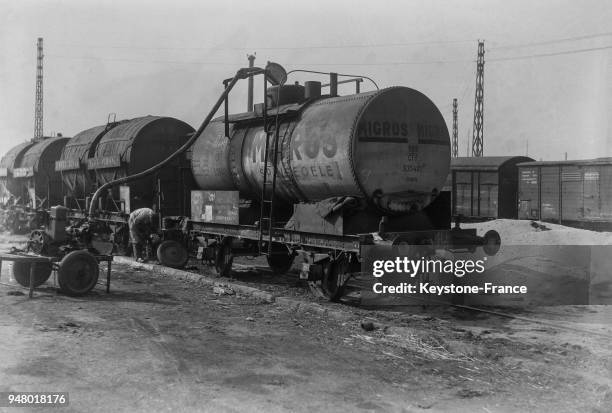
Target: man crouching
x,y
142,223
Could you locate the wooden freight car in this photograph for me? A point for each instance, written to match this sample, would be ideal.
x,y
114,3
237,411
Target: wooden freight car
x,y
485,187
575,193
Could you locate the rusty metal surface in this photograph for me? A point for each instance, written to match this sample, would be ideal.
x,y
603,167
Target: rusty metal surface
x,y
120,140
9,161
209,158
83,144
14,156
156,136
402,149
391,144
42,155
138,144
72,162
38,169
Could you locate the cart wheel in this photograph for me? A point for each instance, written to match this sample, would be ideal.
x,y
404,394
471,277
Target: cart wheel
x,y
38,242
78,273
224,259
21,273
172,254
492,242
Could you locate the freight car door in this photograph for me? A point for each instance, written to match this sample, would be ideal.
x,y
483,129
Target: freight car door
x,y
572,201
591,194
488,194
529,198
549,190
463,193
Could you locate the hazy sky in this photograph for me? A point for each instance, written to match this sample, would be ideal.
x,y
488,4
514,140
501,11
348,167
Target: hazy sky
x,y
135,58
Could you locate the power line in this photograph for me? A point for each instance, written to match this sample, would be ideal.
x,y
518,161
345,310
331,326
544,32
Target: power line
x,y
566,52
346,46
552,41
425,62
340,46
142,61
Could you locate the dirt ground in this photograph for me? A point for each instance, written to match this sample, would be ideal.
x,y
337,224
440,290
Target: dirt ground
x,y
159,344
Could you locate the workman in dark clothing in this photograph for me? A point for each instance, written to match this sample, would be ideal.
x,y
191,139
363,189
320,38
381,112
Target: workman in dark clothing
x,y
142,223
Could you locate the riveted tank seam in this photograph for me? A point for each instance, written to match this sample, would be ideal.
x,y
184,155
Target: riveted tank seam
x,y
242,143
289,138
232,156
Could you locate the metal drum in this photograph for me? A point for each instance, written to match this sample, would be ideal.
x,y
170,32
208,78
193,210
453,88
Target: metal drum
x,y
391,147
36,175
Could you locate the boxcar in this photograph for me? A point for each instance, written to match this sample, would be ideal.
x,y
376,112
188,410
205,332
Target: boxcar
x,y
485,187
576,193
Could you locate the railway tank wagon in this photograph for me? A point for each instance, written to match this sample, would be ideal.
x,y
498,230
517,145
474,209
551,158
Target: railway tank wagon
x,y
323,177
387,150
8,187
135,145
106,152
79,182
36,175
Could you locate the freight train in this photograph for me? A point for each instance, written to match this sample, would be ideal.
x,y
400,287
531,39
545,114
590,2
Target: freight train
x,y
65,171
572,192
303,174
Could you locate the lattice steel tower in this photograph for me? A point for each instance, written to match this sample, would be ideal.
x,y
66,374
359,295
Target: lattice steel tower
x,y
477,132
38,106
455,147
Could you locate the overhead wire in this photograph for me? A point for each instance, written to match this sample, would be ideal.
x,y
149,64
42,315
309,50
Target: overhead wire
x,y
552,41
338,46
427,62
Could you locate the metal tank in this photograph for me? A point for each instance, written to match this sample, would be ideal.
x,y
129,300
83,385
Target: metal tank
x,y
391,147
38,181
9,161
136,145
78,180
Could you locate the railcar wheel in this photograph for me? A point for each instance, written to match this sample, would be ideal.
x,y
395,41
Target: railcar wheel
x,y
280,263
172,254
332,286
224,259
21,273
281,260
492,242
78,273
